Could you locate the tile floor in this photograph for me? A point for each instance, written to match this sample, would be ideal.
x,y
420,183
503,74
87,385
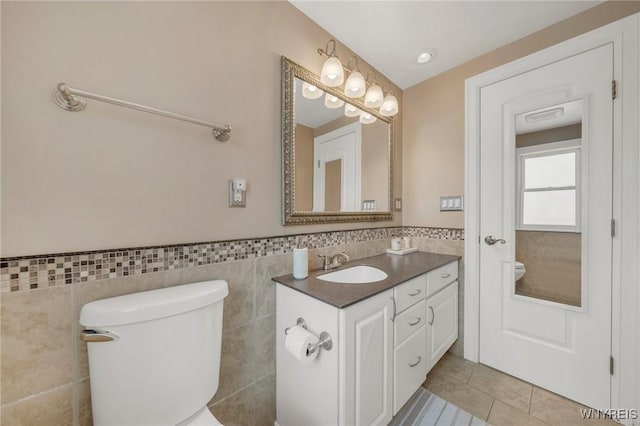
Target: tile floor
x,y
500,399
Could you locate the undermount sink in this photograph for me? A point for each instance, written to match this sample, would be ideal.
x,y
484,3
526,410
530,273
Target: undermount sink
x,y
355,275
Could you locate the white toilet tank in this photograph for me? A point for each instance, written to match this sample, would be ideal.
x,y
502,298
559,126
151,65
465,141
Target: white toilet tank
x,y
154,357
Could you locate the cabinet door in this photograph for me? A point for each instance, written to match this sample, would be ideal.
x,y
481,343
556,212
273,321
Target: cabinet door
x,y
366,361
442,322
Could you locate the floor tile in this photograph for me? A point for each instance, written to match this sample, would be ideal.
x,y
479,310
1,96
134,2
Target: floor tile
x,y
506,388
456,367
460,394
505,415
559,411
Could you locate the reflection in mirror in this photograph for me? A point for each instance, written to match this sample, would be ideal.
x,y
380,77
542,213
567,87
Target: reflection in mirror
x,y
336,154
549,152
328,136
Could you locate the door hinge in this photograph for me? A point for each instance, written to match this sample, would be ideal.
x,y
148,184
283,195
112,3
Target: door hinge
x,y
613,227
318,163
614,92
611,365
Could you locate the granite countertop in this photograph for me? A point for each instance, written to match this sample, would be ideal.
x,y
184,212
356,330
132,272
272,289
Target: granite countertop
x,y
398,268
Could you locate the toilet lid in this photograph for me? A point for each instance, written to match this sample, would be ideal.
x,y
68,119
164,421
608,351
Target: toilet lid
x,y
518,265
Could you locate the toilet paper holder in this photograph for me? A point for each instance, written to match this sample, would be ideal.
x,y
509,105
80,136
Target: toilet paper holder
x,y
324,341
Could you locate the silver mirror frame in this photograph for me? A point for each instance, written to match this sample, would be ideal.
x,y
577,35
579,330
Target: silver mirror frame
x,y
291,70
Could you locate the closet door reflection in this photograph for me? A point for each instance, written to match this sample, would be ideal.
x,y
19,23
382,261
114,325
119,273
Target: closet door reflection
x,y
549,213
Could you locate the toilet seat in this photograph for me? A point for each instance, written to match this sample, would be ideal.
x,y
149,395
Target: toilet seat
x,y
201,418
518,265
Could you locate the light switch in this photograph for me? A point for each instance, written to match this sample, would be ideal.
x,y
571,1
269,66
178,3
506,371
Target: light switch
x,y
451,203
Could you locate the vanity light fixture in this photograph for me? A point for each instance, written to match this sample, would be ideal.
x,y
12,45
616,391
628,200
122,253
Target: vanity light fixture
x,y
355,85
332,102
332,73
374,96
351,111
310,91
426,56
366,118
389,105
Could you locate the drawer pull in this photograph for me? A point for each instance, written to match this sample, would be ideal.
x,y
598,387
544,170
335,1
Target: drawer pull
x,y
416,363
433,316
393,317
415,293
417,321
445,275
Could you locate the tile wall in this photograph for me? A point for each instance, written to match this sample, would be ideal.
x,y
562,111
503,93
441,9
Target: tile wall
x,y
44,366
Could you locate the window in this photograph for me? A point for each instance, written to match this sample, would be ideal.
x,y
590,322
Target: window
x,y
549,187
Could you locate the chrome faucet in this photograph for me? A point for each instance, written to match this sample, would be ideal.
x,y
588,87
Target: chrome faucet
x,y
332,262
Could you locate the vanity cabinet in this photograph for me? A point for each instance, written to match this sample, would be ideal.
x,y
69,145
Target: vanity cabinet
x,y
383,348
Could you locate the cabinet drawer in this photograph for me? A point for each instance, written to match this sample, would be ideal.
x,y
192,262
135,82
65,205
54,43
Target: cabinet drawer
x,y
409,367
439,278
409,321
410,292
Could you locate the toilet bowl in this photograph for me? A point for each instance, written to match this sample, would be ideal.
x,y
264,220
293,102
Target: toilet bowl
x,y
519,270
154,356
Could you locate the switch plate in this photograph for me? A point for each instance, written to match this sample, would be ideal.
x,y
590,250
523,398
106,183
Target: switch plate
x,y
452,203
369,205
397,204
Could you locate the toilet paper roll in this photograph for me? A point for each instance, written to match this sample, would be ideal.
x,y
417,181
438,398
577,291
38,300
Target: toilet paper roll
x,y
297,341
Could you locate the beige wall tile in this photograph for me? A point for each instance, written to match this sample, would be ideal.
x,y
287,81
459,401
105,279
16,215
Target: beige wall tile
x,y
83,397
267,268
505,415
264,346
506,388
254,405
36,341
237,409
50,408
240,275
376,247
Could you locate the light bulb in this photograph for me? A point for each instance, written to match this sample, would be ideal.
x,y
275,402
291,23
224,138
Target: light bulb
x,y
366,118
389,106
351,111
332,102
310,91
332,74
374,96
355,86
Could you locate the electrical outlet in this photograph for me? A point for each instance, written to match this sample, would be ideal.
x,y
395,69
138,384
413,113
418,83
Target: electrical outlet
x,y
237,192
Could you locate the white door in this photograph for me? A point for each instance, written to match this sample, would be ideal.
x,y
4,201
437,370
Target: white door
x,y
343,147
561,346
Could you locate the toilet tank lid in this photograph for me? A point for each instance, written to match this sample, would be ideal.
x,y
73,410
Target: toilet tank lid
x,y
154,304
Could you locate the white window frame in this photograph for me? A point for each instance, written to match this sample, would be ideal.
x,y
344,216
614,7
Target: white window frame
x,y
544,150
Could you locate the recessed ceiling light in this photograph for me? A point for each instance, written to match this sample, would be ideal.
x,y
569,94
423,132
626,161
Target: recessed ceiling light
x,y
426,56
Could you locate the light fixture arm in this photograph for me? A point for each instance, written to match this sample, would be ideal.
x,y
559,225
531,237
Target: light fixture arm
x,y
326,50
357,67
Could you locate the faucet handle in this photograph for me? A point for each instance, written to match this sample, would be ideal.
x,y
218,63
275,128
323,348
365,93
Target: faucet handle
x,y
325,261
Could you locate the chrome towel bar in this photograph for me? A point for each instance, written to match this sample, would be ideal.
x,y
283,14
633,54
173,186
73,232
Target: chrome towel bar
x,y
71,99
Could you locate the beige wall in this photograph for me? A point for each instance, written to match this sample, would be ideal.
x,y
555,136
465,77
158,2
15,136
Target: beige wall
x,y
433,142
304,168
111,177
552,261
548,136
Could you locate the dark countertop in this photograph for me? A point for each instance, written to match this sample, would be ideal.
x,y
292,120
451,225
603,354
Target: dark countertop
x,y
398,268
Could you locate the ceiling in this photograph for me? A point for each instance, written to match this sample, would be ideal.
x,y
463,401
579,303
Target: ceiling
x,y
390,34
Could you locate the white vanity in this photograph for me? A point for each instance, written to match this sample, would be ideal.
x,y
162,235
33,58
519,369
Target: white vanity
x,y
386,336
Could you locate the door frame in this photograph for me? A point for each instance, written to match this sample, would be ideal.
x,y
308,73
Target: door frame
x,y
625,340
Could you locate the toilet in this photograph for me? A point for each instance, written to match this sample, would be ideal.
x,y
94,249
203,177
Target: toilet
x,y
154,356
519,270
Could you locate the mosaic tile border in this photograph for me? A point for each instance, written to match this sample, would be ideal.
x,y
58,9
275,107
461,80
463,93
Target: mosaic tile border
x,y
42,271
434,233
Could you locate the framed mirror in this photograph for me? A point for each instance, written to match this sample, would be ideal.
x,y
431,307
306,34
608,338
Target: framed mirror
x,y
336,154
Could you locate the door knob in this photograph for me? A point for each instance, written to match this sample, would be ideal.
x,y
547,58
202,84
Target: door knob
x,y
491,241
